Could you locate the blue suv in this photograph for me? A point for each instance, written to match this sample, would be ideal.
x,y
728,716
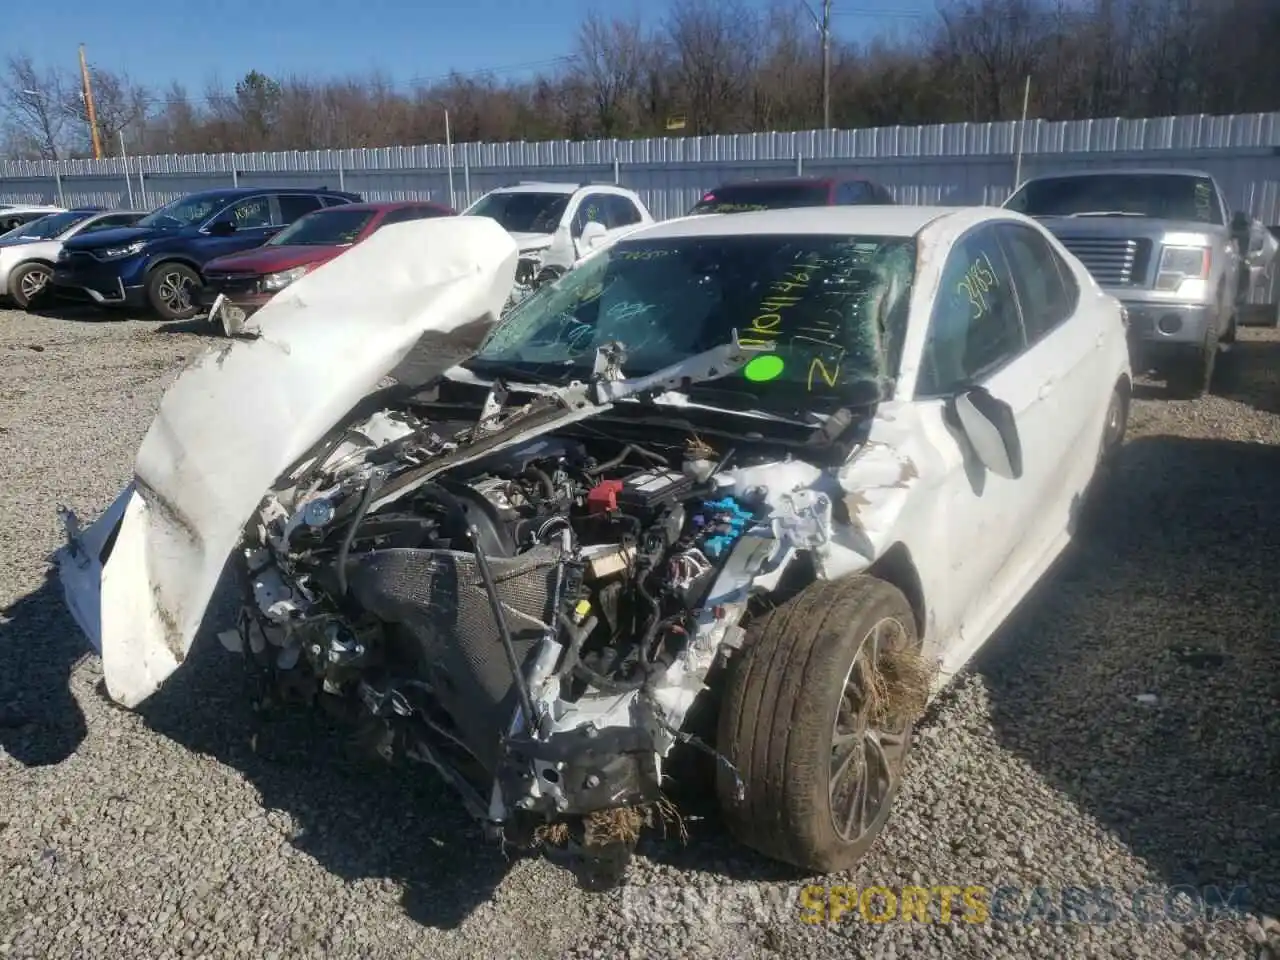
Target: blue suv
x,y
157,263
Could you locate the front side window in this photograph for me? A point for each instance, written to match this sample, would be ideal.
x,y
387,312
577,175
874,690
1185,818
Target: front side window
x,y
523,212
594,208
251,214
830,310
1168,196
622,211
975,327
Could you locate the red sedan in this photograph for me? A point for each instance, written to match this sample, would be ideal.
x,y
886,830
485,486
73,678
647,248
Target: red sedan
x,y
245,281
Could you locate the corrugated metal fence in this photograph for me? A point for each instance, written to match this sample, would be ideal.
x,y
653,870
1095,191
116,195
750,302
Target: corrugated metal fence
x,y
951,164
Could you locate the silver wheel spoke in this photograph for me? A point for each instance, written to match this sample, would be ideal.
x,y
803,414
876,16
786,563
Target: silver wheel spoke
x,y
857,806
863,757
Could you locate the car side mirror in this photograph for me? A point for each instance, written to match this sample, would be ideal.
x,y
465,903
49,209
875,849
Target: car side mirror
x,y
1241,223
992,431
222,228
592,233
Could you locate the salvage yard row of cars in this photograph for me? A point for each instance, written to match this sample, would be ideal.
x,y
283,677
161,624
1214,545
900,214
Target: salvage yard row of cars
x,y
754,483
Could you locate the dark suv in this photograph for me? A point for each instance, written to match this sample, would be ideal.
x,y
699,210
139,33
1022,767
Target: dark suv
x,y
787,192
158,263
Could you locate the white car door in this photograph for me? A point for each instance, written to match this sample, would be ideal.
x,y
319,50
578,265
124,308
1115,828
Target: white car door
x,y
976,338
1067,340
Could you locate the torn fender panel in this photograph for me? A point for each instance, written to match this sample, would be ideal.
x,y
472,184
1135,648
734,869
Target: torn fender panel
x,y
243,412
878,487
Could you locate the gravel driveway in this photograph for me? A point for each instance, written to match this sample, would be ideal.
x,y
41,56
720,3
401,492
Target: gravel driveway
x,y
1122,733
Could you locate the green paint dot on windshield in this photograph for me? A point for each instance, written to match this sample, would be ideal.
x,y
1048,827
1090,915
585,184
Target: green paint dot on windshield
x,y
768,366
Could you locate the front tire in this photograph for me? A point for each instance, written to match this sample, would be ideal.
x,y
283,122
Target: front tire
x,y
171,291
29,285
818,742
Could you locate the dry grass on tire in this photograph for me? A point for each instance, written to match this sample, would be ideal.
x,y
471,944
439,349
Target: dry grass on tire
x,y
897,687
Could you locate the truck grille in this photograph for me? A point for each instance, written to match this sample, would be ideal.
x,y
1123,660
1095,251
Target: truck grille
x,y
1113,262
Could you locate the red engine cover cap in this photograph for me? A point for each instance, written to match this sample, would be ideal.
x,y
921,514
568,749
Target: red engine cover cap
x,y
603,497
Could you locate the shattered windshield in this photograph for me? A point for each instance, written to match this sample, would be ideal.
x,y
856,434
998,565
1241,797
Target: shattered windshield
x,y
523,212
1168,196
47,228
832,310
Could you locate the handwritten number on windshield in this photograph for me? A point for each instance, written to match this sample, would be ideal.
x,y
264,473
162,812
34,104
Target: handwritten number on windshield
x,y
829,375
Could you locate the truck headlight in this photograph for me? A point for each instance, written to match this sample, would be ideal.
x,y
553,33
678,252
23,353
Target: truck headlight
x,y
274,282
1181,264
119,253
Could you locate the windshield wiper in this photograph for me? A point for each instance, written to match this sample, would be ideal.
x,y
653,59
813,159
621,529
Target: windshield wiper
x,y
713,396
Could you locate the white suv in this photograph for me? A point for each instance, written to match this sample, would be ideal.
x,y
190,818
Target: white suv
x,y
557,224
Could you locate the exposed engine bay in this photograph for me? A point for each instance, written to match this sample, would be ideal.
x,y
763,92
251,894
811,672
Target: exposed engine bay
x,y
585,582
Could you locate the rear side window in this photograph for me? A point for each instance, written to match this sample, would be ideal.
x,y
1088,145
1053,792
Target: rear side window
x,y
853,192
1046,290
295,205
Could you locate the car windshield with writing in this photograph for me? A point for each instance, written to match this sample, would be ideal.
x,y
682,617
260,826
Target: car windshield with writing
x,y
831,310
1164,196
744,197
183,212
50,227
334,227
523,211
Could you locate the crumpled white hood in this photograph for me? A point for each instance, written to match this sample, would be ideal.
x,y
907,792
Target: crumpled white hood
x,y
245,411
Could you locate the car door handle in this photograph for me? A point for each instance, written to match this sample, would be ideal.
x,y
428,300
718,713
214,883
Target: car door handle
x,y
1046,388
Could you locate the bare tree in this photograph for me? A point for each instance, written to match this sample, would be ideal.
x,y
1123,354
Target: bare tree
x,y
610,64
787,80
715,54
119,105
997,42
34,106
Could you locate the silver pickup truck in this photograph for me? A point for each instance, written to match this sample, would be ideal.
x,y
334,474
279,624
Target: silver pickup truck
x,y
1164,244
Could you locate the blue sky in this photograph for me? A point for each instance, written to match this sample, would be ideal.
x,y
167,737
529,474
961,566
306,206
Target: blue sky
x,y
155,43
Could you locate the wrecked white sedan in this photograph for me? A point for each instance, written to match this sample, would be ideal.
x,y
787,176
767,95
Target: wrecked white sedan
x,y
795,465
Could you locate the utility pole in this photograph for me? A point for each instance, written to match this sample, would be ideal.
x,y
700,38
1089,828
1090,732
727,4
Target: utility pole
x,y
88,105
823,25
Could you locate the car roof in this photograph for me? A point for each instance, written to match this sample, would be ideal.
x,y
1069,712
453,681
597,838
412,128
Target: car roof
x,y
567,189
534,186
230,193
1122,171
385,206
804,180
865,220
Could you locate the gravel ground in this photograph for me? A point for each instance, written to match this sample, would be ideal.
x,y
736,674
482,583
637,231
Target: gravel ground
x,y
1121,734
